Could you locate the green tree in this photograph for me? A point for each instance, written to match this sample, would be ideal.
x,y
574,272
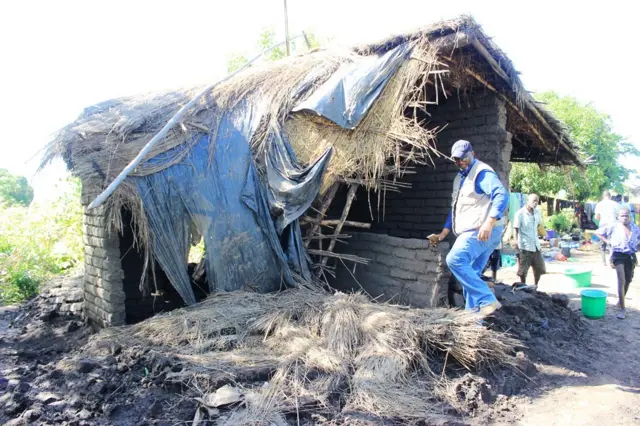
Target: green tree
x,y
592,132
14,190
267,39
39,242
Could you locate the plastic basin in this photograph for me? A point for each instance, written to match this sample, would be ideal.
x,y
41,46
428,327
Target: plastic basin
x,y
581,277
508,260
594,303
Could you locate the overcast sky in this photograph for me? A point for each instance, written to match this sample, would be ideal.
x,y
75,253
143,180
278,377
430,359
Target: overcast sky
x,y
60,56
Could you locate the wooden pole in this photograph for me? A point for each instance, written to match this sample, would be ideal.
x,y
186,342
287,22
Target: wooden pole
x,y
286,29
172,122
482,50
345,212
326,202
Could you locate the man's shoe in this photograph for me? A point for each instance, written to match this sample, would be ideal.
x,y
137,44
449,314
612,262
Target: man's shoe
x,y
489,309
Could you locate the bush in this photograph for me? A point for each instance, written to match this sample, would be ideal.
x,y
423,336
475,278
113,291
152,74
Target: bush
x,y
39,242
564,221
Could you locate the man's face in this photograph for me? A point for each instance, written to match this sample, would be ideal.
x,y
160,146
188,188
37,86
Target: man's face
x,y
532,202
624,217
463,163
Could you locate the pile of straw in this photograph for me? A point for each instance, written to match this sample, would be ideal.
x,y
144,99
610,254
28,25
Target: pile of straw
x,y
390,136
324,353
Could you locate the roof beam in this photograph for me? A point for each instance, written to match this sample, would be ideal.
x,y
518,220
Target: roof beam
x,y
482,50
512,105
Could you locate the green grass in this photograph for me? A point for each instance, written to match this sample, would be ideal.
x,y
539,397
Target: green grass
x,y
39,242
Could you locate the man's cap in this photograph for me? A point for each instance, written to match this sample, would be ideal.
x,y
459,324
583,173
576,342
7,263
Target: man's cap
x,y
461,148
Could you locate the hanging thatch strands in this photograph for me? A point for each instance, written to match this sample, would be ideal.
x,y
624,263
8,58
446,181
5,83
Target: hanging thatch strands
x,y
163,132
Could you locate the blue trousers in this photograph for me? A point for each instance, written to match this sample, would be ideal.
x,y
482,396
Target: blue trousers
x,y
467,259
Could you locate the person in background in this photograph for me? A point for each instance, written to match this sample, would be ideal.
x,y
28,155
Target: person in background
x,y
625,205
526,223
606,214
479,201
623,237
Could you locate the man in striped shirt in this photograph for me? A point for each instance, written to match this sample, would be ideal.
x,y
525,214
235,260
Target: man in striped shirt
x,y
525,223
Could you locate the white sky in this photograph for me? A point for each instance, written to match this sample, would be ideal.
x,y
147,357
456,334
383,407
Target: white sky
x,y
57,57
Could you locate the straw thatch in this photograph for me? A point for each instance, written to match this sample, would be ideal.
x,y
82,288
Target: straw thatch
x,y
107,136
323,353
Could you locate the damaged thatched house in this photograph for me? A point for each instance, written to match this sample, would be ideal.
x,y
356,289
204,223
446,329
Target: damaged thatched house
x,y
277,166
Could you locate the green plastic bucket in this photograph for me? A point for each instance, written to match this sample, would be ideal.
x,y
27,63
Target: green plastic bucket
x,y
581,277
594,303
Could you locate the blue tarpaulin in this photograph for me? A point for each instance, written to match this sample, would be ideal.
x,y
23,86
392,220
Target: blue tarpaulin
x,y
347,96
246,204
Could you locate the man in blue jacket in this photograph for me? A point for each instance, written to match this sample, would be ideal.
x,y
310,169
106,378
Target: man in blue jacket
x,y
479,201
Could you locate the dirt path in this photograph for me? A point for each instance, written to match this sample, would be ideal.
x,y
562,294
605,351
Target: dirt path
x,y
588,372
598,384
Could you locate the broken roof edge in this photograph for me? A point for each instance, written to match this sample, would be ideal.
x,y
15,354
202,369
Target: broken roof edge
x,y
467,32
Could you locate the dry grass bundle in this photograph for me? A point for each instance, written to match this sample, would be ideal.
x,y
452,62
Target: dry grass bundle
x,y
411,400
391,347
322,352
341,324
210,324
461,337
385,136
263,409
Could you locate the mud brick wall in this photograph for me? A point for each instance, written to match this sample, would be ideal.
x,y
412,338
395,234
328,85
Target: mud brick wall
x,y
422,209
103,294
402,270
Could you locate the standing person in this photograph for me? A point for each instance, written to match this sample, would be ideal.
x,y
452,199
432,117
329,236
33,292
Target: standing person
x,y
623,237
479,201
625,204
606,214
526,223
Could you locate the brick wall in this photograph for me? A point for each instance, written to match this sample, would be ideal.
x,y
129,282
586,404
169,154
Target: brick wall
x,y
402,270
422,210
103,294
402,264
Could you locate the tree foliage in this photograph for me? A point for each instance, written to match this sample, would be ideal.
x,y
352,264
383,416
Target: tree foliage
x,y
592,132
267,39
39,241
14,190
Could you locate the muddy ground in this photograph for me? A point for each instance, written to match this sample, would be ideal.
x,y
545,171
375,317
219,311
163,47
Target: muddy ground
x,y
572,370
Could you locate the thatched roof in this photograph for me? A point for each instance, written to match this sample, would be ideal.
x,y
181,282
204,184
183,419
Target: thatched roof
x,y
108,135
539,136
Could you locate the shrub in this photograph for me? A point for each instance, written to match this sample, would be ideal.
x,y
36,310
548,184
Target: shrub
x,y
39,242
561,222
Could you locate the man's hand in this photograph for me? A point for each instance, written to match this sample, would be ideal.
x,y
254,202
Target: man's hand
x,y
439,237
485,230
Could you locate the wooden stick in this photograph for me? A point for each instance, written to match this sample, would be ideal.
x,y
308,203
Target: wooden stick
x,y
511,104
482,50
346,223
322,237
326,203
172,122
345,212
325,254
286,39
